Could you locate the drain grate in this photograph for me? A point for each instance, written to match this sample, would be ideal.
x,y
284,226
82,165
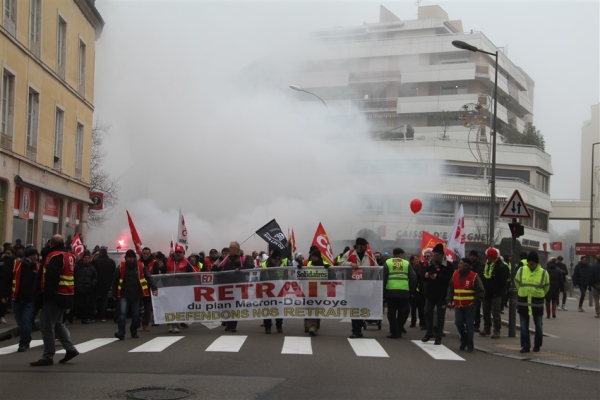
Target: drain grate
x,y
158,393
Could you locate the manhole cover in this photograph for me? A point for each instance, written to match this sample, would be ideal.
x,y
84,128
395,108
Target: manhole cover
x,y
157,393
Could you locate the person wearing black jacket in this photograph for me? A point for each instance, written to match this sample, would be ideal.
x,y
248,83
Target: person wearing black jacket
x,y
564,272
105,267
55,293
495,276
595,284
86,279
581,278
233,261
417,299
477,267
437,278
128,289
23,274
6,264
556,286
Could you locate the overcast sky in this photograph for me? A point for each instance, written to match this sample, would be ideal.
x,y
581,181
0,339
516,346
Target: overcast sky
x,y
168,84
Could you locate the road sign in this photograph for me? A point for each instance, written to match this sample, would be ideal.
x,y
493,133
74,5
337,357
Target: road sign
x,y
587,249
515,208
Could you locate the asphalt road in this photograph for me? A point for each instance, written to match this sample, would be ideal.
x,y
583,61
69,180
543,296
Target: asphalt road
x,y
390,369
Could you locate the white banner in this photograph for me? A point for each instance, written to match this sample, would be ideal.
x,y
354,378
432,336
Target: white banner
x,y
456,243
248,295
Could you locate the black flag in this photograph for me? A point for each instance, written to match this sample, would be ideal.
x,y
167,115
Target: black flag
x,y
273,235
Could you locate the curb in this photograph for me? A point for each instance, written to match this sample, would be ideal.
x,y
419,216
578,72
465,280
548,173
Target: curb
x,y
537,360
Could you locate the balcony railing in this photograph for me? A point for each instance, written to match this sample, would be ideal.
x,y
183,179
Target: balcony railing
x,y
386,104
6,141
31,153
370,76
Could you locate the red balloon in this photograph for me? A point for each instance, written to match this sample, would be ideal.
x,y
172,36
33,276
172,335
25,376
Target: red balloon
x,y
416,205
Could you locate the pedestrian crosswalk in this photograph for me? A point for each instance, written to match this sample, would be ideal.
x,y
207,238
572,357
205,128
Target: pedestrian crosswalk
x,y
292,345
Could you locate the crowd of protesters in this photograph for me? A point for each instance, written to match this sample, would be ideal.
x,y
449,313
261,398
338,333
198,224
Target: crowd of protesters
x,y
421,287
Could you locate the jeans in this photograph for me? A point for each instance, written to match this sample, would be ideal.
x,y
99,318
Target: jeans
x,y
464,318
51,323
24,314
491,311
582,289
396,314
441,316
134,305
538,321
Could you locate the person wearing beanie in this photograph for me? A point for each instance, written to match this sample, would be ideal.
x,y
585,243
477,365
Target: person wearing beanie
x,y
532,284
495,275
86,279
131,282
465,288
360,256
19,285
437,278
149,262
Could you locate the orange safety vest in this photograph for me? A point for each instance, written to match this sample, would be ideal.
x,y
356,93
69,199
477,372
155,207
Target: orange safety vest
x,y
464,295
66,283
141,277
17,277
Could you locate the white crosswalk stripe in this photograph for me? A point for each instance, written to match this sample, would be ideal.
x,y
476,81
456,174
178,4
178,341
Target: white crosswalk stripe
x,y
91,345
230,344
15,347
296,345
367,348
156,345
211,325
438,352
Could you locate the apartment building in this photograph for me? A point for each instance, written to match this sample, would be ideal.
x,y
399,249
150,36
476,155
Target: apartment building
x,y
47,56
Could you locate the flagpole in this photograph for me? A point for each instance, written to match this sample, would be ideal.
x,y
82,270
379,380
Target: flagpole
x,y
254,234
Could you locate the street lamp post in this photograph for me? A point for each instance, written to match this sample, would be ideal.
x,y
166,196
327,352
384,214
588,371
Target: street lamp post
x,y
592,197
465,46
299,89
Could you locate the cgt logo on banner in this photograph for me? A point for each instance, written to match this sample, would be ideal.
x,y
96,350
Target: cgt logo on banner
x,y
185,298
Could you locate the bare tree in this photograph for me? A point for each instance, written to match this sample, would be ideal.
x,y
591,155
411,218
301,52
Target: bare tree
x,y
100,180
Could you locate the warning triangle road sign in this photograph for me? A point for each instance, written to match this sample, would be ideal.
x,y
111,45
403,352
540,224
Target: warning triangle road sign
x,y
515,207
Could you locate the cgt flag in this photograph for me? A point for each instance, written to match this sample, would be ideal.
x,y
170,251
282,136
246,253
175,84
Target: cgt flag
x,y
293,241
77,246
429,241
457,237
321,240
272,234
137,242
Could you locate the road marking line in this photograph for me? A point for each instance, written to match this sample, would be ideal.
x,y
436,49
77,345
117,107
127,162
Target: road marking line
x,y
438,352
346,320
230,344
367,348
15,347
157,344
296,345
91,345
211,325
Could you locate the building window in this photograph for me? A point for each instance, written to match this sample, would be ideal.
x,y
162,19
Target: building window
x,y
372,204
35,26
8,109
82,54
33,112
526,222
10,16
61,47
543,183
541,221
59,123
454,89
79,151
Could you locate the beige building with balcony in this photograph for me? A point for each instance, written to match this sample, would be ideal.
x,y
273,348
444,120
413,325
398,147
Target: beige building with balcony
x,y
401,73
47,56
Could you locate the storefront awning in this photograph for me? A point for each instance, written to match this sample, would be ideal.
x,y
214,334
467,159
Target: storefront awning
x,y
19,179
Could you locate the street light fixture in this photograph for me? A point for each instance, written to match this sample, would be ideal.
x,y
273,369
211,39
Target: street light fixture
x,y
465,46
592,197
299,89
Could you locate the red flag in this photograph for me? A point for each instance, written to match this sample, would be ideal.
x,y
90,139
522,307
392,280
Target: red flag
x,y
137,242
321,240
293,242
429,241
77,246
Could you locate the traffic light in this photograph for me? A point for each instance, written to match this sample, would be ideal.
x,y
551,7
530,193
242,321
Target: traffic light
x,y
516,229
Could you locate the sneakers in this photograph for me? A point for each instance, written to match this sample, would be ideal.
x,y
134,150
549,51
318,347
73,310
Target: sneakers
x,y
69,356
103,320
2,320
174,330
563,308
171,329
581,309
41,363
312,331
496,335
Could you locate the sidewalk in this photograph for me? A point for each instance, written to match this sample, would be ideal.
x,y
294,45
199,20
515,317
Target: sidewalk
x,y
572,339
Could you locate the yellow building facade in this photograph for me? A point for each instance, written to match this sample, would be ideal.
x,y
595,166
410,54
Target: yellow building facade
x,y
47,51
